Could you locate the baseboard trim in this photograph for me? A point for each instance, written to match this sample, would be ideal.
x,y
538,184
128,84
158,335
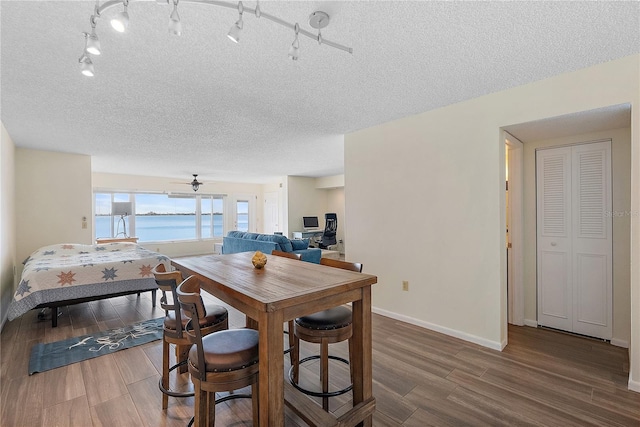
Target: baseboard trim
x,y
531,323
619,343
494,345
634,385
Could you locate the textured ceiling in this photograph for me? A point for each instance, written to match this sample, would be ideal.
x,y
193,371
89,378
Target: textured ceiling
x,y
171,106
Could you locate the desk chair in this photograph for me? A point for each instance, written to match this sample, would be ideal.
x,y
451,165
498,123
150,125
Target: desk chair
x,y
221,361
216,318
330,229
324,328
290,323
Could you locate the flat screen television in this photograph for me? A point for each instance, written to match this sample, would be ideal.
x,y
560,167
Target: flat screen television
x,y
310,222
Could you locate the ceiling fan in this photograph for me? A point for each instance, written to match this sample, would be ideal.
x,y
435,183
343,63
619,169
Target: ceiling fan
x,y
195,184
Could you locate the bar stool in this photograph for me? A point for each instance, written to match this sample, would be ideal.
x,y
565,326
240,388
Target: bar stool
x,y
215,319
221,361
324,328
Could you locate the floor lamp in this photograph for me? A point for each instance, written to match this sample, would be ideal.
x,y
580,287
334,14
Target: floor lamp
x,y
123,209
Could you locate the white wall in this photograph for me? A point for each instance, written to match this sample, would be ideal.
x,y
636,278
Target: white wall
x,y
621,167
7,222
53,194
425,202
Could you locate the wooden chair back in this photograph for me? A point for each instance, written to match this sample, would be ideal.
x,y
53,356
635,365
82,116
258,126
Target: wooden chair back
x,y
168,282
191,303
345,265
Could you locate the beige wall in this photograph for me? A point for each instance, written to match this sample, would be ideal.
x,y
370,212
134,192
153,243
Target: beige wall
x,y
53,195
621,167
304,199
7,222
431,187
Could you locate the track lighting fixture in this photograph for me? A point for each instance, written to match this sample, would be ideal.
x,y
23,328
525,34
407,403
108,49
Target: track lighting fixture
x,y
293,50
120,22
175,27
236,29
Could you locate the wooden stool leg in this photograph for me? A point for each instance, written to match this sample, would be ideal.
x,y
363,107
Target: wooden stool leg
x,y
211,404
291,341
295,359
351,344
165,372
199,407
255,404
324,372
182,353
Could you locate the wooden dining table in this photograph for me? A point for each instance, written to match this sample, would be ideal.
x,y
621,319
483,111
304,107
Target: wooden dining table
x,y
283,290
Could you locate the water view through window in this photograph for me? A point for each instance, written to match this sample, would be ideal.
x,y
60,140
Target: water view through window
x,y
159,217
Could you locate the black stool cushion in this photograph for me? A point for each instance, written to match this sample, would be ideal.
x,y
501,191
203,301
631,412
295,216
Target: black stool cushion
x,y
228,350
333,318
215,314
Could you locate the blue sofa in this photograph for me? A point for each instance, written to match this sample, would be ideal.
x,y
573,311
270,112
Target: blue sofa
x,y
239,241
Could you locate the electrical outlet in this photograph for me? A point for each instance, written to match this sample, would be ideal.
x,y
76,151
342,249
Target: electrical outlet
x,y
405,285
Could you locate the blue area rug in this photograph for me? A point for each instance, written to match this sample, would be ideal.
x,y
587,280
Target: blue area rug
x,y
60,353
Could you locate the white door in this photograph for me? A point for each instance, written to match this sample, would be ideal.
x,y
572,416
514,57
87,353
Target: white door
x,y
271,212
574,238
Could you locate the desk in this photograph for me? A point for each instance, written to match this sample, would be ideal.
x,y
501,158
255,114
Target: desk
x,y
283,290
307,234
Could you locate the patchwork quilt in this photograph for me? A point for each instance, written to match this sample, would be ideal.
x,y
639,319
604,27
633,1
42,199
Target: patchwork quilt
x,y
71,271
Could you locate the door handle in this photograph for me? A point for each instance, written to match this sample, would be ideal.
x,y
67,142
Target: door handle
x,y
554,244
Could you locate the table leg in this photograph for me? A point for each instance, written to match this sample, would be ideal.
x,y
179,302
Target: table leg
x,y
271,384
362,355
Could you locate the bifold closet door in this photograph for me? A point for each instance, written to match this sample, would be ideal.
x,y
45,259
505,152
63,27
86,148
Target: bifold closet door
x,y
574,227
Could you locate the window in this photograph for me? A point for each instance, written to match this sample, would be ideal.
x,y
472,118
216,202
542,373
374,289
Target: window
x,y
161,217
211,217
242,215
108,225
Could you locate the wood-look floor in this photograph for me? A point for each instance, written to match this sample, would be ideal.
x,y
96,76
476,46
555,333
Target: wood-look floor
x,y
421,378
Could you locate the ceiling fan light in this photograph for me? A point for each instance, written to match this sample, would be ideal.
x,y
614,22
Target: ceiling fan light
x,y
120,22
175,26
86,66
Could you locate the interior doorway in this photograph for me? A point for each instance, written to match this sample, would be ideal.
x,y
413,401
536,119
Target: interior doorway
x,y
514,232
271,213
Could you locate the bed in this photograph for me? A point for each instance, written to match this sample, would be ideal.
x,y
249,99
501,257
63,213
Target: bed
x,y
64,274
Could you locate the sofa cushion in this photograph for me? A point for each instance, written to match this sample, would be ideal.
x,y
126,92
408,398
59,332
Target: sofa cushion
x,y
251,236
283,242
299,244
236,234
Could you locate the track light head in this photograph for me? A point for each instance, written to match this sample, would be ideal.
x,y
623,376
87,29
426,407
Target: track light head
x,y
92,44
293,50
120,22
175,26
236,29
86,65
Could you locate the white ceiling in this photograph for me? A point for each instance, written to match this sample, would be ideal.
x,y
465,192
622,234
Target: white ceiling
x,y
162,105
